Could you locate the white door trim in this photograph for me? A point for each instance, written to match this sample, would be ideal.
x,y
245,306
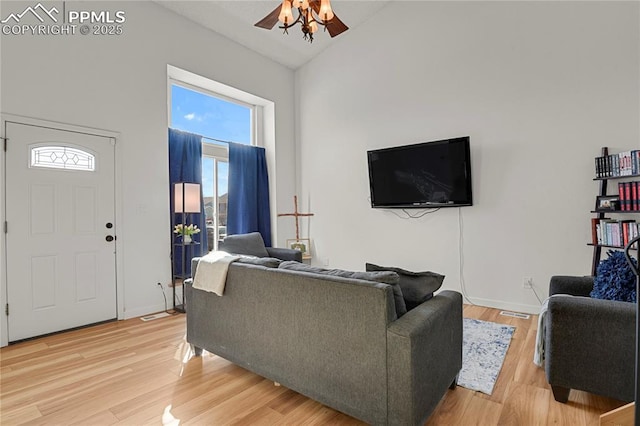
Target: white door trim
x,y
116,136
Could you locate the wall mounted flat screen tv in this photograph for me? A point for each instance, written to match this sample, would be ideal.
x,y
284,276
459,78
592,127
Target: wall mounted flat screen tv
x,y
423,175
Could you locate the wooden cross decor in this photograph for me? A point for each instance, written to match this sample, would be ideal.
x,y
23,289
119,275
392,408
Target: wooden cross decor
x,y
296,214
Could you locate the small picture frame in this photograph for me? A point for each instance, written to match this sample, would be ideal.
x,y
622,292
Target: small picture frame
x,y
301,244
607,203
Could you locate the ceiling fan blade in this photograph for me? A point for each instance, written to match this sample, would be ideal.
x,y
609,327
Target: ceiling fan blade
x,y
335,26
315,5
270,20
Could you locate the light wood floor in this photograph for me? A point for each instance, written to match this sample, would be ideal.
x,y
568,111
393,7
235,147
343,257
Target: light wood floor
x,y
126,373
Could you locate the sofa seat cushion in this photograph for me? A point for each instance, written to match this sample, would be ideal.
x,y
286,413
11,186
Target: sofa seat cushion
x,y
417,287
250,244
385,277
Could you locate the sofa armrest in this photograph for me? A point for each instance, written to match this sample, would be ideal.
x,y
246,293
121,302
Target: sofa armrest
x,y
194,265
285,254
424,356
575,286
590,345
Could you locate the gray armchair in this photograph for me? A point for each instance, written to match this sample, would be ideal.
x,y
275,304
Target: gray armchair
x,y
252,244
589,343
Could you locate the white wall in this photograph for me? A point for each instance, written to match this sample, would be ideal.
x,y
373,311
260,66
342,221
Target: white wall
x,y
119,83
539,87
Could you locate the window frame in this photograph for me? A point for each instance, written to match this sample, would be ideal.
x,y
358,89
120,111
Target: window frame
x,y
214,155
217,149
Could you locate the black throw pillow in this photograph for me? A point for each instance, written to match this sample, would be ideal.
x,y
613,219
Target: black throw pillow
x,y
417,287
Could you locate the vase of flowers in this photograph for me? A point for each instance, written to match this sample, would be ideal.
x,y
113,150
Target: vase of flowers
x,y
186,232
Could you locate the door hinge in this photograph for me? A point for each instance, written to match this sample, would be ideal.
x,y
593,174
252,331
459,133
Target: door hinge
x,y
6,226
6,310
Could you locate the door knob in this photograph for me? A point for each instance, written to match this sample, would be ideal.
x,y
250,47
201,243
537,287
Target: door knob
x,y
109,238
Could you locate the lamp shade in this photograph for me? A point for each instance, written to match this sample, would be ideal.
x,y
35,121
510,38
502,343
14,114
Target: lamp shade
x,y
286,16
187,197
325,12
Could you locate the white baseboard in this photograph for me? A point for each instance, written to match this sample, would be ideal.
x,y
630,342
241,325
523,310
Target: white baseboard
x,y
500,304
140,312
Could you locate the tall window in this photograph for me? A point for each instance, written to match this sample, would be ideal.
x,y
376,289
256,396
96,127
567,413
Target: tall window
x,y
217,119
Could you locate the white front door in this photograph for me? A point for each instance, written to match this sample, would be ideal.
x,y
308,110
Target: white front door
x,y
61,270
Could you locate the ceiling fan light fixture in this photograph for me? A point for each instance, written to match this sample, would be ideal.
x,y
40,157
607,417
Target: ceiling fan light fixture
x,y
311,15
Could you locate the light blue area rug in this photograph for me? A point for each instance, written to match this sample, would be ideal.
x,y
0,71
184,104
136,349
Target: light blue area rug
x,y
484,347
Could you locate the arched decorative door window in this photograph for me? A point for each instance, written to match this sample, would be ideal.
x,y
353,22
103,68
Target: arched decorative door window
x,y
62,157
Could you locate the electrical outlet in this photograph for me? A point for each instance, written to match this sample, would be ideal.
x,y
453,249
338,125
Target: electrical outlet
x,y
527,282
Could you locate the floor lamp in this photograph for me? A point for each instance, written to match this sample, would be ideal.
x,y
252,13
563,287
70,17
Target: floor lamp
x,y
637,272
186,201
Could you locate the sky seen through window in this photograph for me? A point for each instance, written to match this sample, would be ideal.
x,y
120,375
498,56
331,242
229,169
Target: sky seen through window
x,y
206,115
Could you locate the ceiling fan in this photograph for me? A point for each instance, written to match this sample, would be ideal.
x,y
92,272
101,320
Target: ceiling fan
x,y
311,13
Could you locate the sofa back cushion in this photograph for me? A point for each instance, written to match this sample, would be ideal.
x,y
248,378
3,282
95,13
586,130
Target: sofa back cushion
x,y
385,277
250,244
267,262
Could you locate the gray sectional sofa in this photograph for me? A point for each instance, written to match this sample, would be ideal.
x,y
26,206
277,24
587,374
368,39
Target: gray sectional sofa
x,y
336,340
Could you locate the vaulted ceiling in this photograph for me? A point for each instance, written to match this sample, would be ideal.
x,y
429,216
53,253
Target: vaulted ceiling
x,y
235,20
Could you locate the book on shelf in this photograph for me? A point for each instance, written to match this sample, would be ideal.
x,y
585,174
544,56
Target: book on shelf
x,y
625,166
626,228
614,233
606,231
626,163
631,230
628,193
623,202
595,230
